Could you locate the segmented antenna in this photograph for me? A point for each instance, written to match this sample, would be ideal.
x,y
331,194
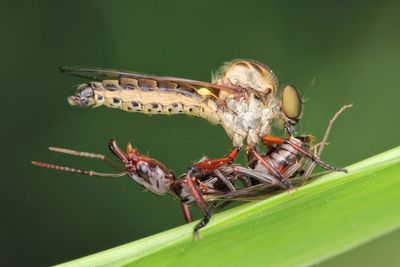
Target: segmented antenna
x,y
73,170
77,153
87,155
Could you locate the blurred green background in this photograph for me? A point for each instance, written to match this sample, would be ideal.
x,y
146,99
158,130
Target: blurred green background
x,y
350,48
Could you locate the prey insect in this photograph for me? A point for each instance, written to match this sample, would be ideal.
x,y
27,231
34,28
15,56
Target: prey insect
x,y
242,97
207,187
153,176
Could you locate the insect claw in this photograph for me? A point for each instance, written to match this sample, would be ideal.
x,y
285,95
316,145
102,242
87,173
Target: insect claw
x,y
196,235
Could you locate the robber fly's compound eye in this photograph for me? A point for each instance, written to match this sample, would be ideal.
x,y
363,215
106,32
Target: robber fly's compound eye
x,y
292,105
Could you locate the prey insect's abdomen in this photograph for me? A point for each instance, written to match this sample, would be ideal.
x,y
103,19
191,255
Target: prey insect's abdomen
x,y
147,96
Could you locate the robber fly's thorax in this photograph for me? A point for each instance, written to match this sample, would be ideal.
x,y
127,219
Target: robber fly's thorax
x,y
247,117
249,114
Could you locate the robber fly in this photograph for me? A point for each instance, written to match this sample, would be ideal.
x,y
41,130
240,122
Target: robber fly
x,y
242,96
204,185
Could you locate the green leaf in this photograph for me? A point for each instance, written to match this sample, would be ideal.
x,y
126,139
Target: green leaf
x,y
329,216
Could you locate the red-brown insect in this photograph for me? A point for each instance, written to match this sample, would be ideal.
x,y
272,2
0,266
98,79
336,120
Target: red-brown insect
x,y
154,176
206,184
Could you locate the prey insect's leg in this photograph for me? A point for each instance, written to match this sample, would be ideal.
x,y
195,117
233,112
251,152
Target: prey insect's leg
x,y
210,165
267,139
225,180
271,168
221,176
292,170
311,165
200,203
258,175
186,213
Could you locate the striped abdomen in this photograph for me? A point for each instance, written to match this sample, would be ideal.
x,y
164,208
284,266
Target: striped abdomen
x,y
282,157
148,96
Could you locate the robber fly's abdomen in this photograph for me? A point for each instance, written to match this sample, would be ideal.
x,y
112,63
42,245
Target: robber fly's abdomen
x,y
150,97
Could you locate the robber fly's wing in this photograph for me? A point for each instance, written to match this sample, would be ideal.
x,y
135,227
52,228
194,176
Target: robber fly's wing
x,y
261,191
99,74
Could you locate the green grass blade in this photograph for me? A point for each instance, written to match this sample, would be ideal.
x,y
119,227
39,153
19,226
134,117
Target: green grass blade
x,y
329,216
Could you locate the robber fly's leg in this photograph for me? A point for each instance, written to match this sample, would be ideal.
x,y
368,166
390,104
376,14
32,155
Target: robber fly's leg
x,y
280,141
210,165
271,168
186,213
200,203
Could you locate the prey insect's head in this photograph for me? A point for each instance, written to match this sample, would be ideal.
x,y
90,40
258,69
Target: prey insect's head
x,y
131,155
84,96
291,104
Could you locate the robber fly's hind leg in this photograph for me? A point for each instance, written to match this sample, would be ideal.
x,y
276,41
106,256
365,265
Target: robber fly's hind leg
x,y
198,197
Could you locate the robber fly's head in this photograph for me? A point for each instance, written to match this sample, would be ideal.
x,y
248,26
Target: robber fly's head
x,y
84,96
291,104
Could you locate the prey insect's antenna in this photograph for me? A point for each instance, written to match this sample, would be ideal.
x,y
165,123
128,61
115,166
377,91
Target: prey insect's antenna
x,y
312,164
77,153
87,155
73,170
